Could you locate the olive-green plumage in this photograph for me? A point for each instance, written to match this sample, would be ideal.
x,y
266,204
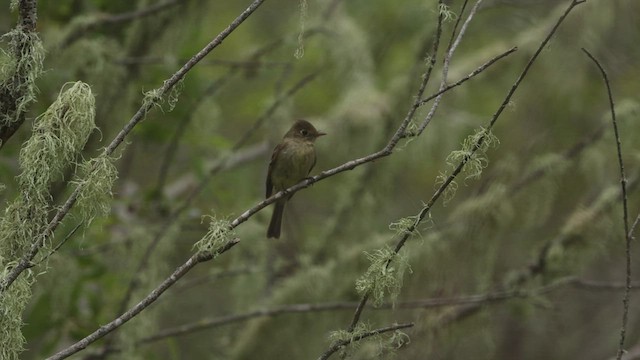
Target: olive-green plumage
x,y
291,161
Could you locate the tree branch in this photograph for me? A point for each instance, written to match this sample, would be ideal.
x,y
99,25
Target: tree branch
x,y
625,211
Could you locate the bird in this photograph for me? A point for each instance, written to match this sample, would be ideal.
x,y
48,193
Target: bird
x,y
291,162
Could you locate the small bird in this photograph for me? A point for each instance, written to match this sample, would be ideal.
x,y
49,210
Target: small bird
x,y
291,161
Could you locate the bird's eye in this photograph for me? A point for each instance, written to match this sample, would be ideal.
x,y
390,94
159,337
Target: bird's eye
x,y
304,132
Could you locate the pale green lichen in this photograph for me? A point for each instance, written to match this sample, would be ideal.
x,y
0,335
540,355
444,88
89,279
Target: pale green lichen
x,y
58,136
96,178
219,234
377,346
446,12
405,225
18,72
174,94
304,7
152,98
473,154
348,337
155,97
450,191
384,275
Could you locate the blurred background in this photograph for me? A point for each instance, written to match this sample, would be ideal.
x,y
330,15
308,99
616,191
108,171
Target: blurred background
x,y
539,236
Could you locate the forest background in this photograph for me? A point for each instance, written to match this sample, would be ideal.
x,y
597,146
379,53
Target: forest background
x,y
485,223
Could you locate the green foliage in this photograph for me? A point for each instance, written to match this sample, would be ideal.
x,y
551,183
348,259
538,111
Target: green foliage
x,y
384,276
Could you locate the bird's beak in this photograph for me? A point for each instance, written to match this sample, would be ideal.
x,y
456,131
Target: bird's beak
x,y
320,133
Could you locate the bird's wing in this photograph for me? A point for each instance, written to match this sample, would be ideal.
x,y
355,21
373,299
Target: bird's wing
x,y
315,158
272,163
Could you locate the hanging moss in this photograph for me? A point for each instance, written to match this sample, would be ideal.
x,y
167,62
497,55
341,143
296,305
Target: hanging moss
x,y
18,73
58,136
96,178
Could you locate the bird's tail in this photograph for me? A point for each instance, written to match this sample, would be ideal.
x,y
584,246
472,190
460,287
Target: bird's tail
x,y
276,220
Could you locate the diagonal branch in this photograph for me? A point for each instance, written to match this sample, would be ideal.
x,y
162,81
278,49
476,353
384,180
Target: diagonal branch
x,y
625,211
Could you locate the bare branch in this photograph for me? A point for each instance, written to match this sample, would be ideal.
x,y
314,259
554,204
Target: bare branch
x,y
464,79
445,67
625,211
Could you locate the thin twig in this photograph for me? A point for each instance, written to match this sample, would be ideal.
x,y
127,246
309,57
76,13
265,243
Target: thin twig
x,y
69,235
469,76
340,344
633,227
455,26
445,67
625,211
603,285
146,106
